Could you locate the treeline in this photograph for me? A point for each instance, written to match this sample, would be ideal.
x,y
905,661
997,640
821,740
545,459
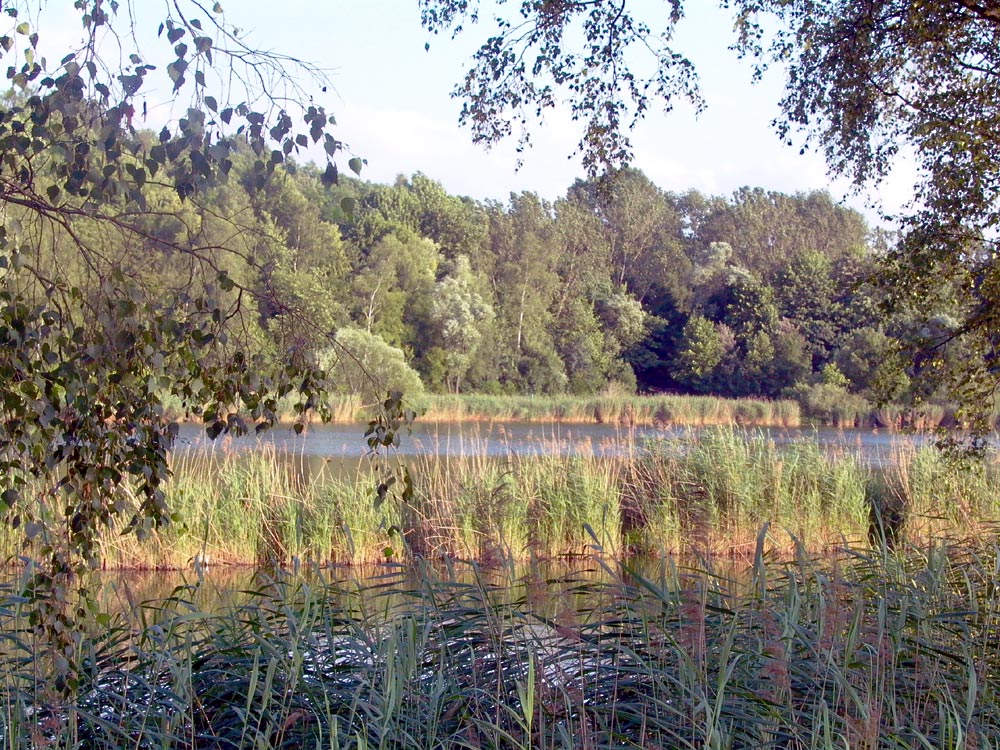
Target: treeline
x,y
621,284
618,286
618,282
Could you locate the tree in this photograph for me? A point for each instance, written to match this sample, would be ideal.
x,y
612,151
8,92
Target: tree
x,y
88,350
868,82
869,360
517,71
393,284
300,267
865,82
528,292
643,231
363,364
699,352
765,228
460,313
806,292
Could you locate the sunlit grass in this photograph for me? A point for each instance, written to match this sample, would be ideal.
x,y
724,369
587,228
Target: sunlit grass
x,y
707,492
627,410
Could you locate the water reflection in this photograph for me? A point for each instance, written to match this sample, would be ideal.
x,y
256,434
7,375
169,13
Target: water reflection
x,y
556,590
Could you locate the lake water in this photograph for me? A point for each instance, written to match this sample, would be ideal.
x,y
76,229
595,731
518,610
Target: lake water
x,y
346,441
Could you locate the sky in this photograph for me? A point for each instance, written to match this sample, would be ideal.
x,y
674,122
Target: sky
x,y
391,98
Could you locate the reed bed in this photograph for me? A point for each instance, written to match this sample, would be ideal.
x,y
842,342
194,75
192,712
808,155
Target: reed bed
x,y
709,492
662,410
871,649
627,410
713,493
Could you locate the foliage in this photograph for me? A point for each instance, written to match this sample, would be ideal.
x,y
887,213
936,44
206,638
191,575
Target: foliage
x,y
700,351
393,285
599,286
868,84
535,53
460,313
90,341
363,364
920,80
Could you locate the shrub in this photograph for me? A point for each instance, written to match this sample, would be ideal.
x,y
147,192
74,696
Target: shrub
x,y
363,363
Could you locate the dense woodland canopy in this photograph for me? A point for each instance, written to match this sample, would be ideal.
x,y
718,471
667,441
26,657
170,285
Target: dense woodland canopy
x,y
617,285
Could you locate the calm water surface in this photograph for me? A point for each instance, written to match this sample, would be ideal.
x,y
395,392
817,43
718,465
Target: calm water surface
x,y
531,438
544,587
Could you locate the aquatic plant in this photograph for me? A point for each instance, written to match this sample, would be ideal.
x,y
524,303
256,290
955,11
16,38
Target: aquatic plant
x,y
707,492
869,649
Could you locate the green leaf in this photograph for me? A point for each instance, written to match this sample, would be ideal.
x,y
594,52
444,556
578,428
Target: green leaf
x,y
348,204
355,164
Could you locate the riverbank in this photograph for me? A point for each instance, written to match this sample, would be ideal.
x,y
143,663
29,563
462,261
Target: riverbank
x,y
844,412
660,411
688,411
706,493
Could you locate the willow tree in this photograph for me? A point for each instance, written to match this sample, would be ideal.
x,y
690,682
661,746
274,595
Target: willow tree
x,y
867,83
89,354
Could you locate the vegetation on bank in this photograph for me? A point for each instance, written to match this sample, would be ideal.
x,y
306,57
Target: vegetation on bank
x,y
868,649
834,409
617,285
614,409
663,410
621,409
705,493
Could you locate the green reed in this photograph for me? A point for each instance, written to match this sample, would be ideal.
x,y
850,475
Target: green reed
x,y
629,410
868,649
718,488
705,492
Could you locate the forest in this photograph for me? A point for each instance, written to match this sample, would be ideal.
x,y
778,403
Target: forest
x,y
618,287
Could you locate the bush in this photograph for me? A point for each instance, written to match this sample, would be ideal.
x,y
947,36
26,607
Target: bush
x,y
362,363
831,404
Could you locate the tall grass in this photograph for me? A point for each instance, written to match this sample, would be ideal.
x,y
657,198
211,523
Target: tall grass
x,y
629,410
708,492
260,507
714,491
870,650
